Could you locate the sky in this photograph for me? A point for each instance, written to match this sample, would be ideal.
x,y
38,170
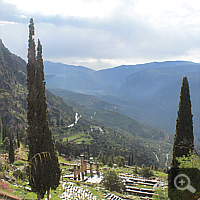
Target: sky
x,y
101,34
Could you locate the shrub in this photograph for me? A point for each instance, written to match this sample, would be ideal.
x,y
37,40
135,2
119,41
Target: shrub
x,y
146,172
19,162
112,181
18,174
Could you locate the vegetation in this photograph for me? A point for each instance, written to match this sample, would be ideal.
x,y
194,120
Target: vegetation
x,y
44,169
184,138
11,152
112,181
146,172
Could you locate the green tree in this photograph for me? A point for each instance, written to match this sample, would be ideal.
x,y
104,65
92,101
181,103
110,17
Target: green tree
x,y
1,132
43,161
184,138
6,144
18,141
146,172
112,181
129,160
119,160
110,162
11,152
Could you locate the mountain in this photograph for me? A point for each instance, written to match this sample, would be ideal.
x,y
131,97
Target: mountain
x,y
13,92
75,78
148,93
73,128
153,95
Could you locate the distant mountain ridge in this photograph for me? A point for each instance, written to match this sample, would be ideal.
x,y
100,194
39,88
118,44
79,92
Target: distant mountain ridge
x,y
148,92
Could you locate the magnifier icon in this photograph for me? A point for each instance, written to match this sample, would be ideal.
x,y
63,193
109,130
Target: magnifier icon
x,y
182,182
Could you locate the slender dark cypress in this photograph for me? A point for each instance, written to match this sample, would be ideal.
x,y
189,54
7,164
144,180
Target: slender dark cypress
x,y
11,152
52,168
184,138
43,161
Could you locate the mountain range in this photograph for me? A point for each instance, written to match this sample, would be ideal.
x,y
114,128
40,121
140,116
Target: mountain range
x,y
100,126
148,92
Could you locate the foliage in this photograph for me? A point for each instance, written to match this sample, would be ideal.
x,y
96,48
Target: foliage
x,y
19,162
112,181
146,172
184,138
162,194
6,144
1,132
119,160
44,169
110,162
11,152
189,161
21,175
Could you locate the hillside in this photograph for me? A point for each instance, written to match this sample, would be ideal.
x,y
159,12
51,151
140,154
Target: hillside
x,y
104,133
114,128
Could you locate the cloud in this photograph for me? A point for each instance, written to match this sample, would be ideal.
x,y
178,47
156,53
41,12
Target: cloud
x,y
125,33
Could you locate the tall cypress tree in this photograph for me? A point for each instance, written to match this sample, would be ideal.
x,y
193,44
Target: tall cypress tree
x,y
11,151
1,132
52,175
184,138
44,166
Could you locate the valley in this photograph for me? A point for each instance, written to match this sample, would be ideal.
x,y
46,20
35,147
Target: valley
x,y
148,93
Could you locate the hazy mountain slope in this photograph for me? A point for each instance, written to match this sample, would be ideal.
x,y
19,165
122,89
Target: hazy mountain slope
x,y
105,113
85,100
75,78
112,79
156,91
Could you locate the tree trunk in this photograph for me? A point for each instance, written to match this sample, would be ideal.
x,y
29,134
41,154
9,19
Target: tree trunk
x,y
48,194
38,196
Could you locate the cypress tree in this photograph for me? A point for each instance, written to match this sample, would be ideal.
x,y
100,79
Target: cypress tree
x,y
129,160
44,167
184,138
11,152
18,142
52,168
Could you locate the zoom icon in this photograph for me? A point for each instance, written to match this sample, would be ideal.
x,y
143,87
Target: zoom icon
x,y
183,183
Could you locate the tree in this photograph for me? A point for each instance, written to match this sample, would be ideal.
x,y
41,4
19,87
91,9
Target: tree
x,y
110,162
6,144
11,152
1,131
129,160
146,172
18,141
184,138
44,168
112,181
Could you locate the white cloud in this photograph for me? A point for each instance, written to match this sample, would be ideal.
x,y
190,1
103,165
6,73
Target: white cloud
x,y
80,8
100,34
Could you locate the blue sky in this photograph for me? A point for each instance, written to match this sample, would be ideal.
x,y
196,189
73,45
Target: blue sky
x,y
101,34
